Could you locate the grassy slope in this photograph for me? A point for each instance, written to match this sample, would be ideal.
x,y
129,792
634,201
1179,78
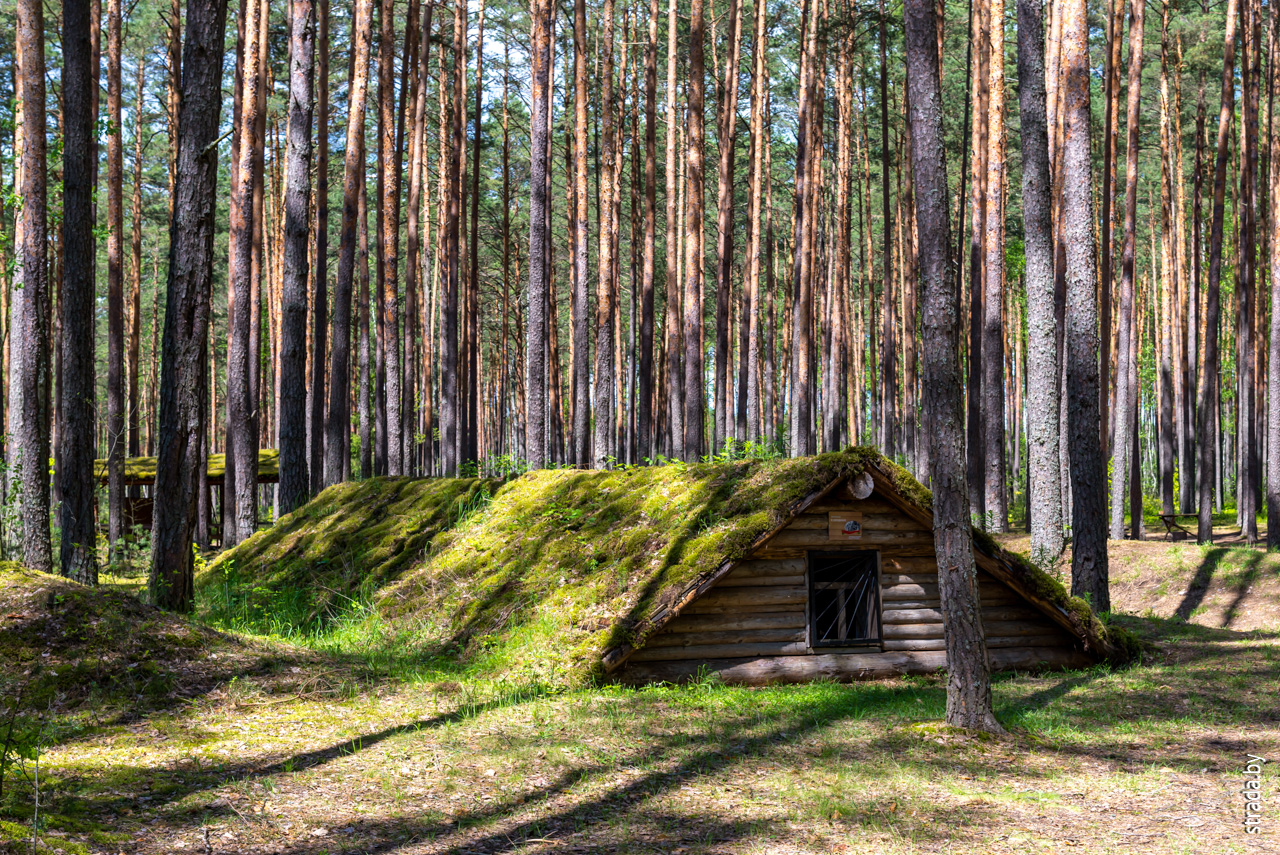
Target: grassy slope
x,y
533,577
1098,761
75,661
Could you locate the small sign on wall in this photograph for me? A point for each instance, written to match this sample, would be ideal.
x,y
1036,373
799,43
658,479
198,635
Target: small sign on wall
x,y
844,525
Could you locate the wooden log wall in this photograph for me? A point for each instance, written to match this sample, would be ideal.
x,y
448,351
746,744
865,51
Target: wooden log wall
x,y
752,626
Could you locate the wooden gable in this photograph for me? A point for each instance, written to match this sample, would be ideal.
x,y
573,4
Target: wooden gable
x,y
754,625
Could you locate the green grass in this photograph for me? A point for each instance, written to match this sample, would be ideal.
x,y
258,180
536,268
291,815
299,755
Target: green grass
x,y
407,749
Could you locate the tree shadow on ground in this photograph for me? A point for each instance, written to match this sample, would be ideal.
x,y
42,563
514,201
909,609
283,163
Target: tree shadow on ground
x,y
1199,585
1250,574
622,814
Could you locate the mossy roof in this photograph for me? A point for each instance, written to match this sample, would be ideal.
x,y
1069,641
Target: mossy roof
x,y
552,572
141,471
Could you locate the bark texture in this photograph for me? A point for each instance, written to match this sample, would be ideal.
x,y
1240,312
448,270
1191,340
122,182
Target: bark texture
x,y
76,516
186,320
338,424
295,481
1042,350
969,701
1207,474
1089,577
1126,400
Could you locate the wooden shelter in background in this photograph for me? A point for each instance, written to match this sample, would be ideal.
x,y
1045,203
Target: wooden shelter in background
x,y
140,473
846,589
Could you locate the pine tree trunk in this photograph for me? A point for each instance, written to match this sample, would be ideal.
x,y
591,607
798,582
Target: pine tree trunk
x,y
695,158
418,224
295,483
645,394
186,321
117,439
728,123
1126,400
134,354
76,515
888,362
320,271
1273,353
993,403
969,701
241,443
1171,267
755,243
535,440
981,81
1042,350
338,425
1208,404
672,286
365,381
471,446
1088,470
451,413
389,415
801,294
1246,272
1106,250
602,445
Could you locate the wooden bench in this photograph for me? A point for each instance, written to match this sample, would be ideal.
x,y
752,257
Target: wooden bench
x,y
1173,529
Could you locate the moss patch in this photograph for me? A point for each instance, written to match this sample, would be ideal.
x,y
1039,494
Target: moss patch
x,y
65,648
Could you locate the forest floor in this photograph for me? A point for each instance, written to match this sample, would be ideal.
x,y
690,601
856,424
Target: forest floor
x,y
210,743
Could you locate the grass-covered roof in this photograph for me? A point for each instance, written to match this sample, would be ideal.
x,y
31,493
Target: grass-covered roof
x,y
542,573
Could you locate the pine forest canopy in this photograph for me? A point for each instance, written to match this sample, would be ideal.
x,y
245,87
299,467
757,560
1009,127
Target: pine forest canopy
x,y
415,238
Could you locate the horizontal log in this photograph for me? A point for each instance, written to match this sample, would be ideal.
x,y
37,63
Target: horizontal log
x,y
891,562
1048,639
993,629
915,644
917,603
887,579
759,567
745,605
772,552
760,671
777,594
907,616
719,651
818,539
872,505
733,580
1016,612
721,623
990,614
891,521
910,591
899,631
1015,628
920,551
924,610
730,636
